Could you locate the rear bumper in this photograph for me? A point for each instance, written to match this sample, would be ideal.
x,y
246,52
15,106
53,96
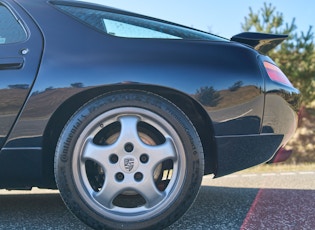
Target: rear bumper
x,y
280,115
236,153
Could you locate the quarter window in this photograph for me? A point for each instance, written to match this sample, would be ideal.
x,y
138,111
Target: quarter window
x,y
132,26
11,30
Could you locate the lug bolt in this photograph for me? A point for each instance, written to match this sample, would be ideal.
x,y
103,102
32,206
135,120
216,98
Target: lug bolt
x,y
138,176
120,176
144,158
129,147
113,158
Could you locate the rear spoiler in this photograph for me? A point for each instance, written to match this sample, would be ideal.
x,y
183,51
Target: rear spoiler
x,y
259,41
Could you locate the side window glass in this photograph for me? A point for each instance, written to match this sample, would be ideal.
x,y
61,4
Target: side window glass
x,y
11,30
121,29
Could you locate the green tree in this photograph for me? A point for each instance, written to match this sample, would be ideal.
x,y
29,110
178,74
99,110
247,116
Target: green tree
x,y
295,56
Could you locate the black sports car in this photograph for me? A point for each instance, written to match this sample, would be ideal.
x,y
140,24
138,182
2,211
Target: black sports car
x,y
124,113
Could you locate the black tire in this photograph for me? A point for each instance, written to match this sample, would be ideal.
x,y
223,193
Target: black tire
x,y
129,160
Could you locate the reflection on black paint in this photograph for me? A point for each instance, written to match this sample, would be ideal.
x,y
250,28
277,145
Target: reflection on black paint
x,y
11,101
19,86
236,86
77,85
208,96
239,126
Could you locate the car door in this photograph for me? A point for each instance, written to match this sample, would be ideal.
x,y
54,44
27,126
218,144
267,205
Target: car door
x,y
20,53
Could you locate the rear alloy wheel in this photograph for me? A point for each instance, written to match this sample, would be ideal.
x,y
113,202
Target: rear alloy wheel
x,y
129,160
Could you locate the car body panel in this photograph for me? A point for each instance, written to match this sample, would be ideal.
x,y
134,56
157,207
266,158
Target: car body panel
x,y
19,63
79,63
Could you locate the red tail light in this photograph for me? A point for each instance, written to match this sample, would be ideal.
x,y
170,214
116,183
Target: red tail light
x,y
275,74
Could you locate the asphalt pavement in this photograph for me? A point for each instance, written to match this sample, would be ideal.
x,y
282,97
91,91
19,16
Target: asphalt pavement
x,y
283,200
241,201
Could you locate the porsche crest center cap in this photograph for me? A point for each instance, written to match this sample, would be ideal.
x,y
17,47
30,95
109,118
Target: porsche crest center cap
x,y
129,164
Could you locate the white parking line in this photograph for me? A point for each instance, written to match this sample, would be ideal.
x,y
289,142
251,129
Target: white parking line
x,y
287,173
272,174
307,173
268,174
249,175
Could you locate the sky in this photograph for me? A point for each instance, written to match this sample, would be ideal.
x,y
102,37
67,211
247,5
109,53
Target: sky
x,y
222,17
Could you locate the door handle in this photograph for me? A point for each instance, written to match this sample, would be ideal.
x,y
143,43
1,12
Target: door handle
x,y
11,63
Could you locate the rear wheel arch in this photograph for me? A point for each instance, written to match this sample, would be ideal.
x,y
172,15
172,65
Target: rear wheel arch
x,y
191,108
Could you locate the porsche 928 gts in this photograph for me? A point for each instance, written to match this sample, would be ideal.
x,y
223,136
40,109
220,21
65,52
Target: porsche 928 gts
x,y
125,113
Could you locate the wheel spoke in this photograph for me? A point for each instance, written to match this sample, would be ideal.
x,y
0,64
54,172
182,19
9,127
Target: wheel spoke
x,y
150,193
110,190
160,153
129,131
97,153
